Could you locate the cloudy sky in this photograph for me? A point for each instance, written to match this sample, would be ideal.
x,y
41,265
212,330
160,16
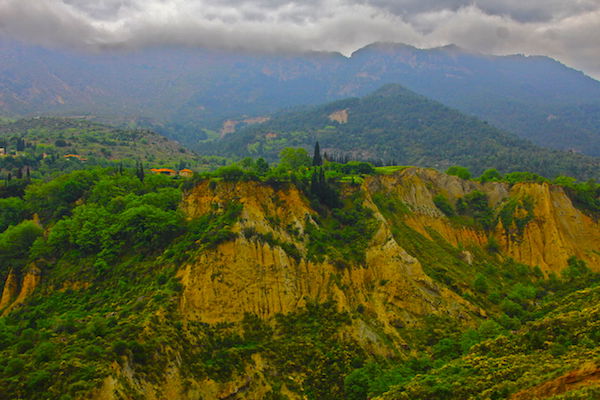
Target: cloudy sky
x,y
565,29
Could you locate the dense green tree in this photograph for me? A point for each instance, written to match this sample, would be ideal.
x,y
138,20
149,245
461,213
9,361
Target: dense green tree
x,y
261,166
139,170
461,172
490,175
149,226
294,158
16,241
12,211
446,349
475,205
356,384
113,186
231,172
322,190
56,198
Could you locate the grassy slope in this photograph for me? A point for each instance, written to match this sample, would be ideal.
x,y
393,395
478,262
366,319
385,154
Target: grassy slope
x,y
100,144
563,339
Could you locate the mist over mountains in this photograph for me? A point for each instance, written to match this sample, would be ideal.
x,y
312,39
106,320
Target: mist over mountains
x,y
182,91
230,264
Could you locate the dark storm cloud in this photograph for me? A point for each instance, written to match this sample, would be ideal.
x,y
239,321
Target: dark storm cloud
x,y
519,10
567,30
103,9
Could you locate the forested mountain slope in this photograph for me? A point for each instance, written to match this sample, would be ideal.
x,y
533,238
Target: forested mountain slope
x,y
184,91
399,126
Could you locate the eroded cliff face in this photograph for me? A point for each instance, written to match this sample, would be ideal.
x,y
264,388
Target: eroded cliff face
x,y
11,289
16,290
248,275
557,231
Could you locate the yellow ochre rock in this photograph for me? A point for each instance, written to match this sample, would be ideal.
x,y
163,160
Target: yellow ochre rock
x,y
30,282
557,231
247,275
10,291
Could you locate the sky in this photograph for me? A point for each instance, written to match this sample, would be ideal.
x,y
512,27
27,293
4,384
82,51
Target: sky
x,y
567,30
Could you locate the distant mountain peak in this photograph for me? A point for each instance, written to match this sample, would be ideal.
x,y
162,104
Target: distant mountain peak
x,y
399,46
392,90
383,46
453,48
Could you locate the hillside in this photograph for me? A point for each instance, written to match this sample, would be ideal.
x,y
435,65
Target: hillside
x,y
301,283
46,146
399,126
544,362
91,139
182,91
534,97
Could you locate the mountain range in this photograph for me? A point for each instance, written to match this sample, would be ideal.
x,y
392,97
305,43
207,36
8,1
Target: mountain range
x,y
395,126
186,93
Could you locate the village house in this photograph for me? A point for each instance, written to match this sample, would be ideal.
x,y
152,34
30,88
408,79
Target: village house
x,y
75,156
164,171
186,173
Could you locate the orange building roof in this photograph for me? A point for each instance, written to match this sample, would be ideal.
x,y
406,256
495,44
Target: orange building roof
x,y
163,170
75,156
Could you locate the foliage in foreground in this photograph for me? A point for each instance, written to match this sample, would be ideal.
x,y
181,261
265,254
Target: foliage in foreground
x,y
111,244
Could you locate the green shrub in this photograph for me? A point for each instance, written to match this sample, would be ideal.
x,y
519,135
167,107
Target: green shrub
x,y
44,352
461,172
480,284
38,380
120,347
490,175
93,352
444,205
14,366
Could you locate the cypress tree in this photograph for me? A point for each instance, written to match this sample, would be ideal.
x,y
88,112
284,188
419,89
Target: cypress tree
x,y
140,171
317,159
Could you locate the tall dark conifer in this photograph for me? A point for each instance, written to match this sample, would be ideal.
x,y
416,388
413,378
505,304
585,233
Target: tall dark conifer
x,y
317,159
140,170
